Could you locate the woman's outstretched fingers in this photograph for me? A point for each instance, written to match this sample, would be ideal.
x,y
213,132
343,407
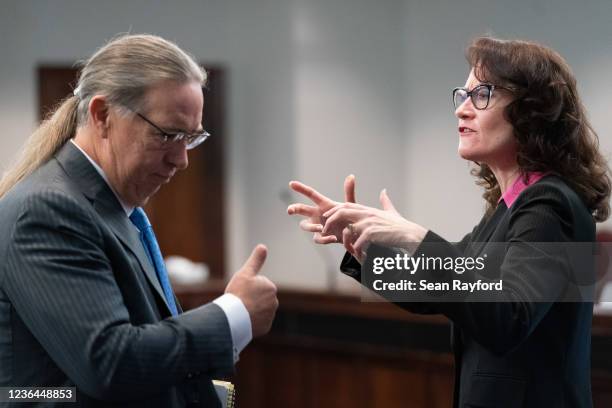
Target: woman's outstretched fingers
x,y
349,189
309,192
325,239
309,226
385,201
347,239
341,218
302,209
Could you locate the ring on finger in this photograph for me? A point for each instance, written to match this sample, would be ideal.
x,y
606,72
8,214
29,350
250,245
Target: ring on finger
x,y
351,229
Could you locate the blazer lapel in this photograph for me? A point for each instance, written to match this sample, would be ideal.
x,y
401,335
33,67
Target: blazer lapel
x,y
129,235
483,236
104,201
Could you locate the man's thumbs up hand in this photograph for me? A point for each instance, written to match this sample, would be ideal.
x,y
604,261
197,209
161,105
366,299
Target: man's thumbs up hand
x,y
258,293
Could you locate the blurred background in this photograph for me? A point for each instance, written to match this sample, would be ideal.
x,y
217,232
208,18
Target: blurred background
x,y
314,90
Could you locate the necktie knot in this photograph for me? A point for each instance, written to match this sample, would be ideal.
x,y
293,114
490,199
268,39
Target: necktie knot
x,y
139,219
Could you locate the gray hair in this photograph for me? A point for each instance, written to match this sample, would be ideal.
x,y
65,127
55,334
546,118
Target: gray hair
x,y
123,71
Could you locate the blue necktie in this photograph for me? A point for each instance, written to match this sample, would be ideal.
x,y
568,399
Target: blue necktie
x,y
147,236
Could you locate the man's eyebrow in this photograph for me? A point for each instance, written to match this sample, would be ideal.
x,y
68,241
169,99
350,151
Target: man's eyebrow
x,y
179,130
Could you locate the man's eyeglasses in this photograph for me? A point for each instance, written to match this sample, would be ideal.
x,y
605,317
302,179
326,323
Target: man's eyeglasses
x,y
481,95
190,140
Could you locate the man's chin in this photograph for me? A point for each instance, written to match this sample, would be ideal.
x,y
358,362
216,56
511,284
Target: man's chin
x,y
142,201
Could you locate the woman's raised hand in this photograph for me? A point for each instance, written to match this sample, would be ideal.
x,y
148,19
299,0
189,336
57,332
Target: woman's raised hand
x,y
361,225
314,222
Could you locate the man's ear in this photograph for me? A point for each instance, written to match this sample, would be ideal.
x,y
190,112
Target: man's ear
x,y
99,113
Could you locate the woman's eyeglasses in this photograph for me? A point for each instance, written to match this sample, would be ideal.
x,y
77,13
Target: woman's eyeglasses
x,y
481,95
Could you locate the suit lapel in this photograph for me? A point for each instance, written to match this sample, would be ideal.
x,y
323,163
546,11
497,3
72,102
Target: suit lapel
x,y
483,235
104,201
129,235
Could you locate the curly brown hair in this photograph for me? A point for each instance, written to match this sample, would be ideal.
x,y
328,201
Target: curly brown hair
x,y
550,123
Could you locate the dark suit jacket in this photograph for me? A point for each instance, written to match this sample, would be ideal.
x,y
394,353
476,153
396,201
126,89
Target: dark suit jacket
x,y
81,305
519,352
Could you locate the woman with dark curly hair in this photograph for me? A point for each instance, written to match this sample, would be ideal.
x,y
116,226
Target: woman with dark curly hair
x,y
521,121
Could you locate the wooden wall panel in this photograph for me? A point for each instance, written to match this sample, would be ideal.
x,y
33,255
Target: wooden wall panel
x,y
393,386
302,363
276,372
272,377
441,386
338,381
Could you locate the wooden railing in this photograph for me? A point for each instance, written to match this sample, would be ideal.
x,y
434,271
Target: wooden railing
x,y
333,350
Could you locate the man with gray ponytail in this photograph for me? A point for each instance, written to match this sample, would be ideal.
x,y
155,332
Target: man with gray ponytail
x,y
85,299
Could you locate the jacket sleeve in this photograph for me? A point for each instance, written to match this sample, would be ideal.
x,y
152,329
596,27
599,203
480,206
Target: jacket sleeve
x,y
61,284
535,271
350,266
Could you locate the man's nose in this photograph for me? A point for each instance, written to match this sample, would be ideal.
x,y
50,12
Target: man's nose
x,y
177,156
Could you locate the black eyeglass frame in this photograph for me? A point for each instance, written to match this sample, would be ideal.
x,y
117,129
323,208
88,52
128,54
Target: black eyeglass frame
x,y
474,91
191,140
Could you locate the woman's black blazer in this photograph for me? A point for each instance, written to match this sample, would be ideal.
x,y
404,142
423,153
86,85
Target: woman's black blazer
x,y
531,346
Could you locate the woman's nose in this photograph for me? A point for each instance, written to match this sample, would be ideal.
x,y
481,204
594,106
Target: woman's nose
x,y
465,110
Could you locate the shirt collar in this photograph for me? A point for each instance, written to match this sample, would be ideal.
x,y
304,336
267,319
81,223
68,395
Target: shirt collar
x,y
520,184
128,209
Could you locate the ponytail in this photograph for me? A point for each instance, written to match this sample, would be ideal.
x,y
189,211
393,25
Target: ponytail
x,y
52,134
